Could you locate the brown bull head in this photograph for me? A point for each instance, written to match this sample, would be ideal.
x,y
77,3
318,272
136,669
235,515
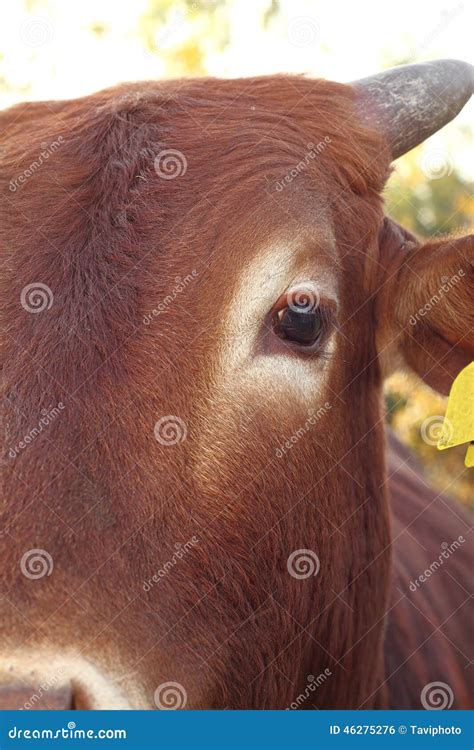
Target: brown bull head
x,y
193,386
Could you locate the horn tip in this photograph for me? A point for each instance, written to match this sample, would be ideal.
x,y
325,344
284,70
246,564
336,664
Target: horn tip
x,y
409,103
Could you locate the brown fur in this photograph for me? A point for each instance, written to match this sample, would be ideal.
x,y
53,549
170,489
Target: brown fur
x,y
97,491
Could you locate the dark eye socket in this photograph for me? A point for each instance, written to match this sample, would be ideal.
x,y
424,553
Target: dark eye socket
x,y
299,318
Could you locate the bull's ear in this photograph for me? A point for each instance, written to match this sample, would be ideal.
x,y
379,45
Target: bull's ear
x,y
425,304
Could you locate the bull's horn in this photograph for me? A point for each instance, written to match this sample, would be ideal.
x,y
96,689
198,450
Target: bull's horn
x,y
409,103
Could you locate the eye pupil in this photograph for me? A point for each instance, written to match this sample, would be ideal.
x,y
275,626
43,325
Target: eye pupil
x,y
299,324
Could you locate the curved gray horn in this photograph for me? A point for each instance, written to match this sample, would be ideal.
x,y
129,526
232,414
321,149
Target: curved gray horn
x,y
409,103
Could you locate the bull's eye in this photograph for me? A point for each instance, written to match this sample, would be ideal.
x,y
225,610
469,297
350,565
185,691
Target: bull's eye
x,y
298,317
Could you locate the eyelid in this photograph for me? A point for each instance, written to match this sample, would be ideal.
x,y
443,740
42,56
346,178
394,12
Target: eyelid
x,y
328,305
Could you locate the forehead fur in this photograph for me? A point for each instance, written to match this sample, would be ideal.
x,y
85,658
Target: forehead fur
x,y
226,129
242,140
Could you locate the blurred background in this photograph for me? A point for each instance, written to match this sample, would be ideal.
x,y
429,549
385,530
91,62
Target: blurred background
x,y
52,49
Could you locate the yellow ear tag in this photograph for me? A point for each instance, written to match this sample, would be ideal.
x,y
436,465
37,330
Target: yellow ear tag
x,y
470,455
458,425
